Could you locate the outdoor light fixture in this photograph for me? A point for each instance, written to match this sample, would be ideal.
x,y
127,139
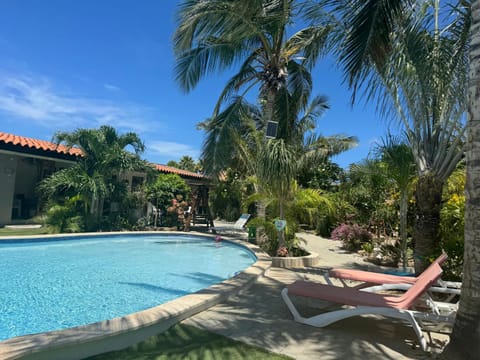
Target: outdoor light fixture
x,y
271,131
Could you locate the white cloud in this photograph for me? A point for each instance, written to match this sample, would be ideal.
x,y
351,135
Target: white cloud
x,y
172,150
112,88
34,98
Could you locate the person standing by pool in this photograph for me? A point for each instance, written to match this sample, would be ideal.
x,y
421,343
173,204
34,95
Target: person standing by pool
x,y
187,217
180,217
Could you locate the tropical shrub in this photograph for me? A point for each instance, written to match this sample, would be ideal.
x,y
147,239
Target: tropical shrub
x,y
452,220
352,236
165,188
309,207
342,212
270,236
229,196
64,218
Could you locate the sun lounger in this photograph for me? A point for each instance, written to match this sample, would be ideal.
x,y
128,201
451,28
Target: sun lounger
x,y
374,281
362,302
238,226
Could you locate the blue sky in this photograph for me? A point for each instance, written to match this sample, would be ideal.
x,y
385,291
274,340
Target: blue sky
x,y
67,64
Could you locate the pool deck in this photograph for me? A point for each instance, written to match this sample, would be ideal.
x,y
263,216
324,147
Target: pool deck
x,y
259,317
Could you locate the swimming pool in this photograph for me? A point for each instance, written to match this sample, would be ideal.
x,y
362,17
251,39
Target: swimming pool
x,y
62,283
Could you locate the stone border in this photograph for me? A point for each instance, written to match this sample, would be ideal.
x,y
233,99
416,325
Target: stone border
x,y
118,333
310,260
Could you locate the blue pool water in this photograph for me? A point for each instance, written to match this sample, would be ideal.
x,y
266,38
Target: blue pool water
x,y
51,285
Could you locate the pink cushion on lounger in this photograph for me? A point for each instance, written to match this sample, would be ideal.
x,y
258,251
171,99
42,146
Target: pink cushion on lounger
x,y
353,297
378,278
370,277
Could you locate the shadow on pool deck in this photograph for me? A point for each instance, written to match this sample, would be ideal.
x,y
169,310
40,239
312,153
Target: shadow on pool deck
x,y
259,317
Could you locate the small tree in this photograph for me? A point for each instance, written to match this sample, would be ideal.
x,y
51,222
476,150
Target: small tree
x,y
400,162
165,188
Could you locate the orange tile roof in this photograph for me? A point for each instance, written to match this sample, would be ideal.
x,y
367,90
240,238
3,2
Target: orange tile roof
x,y
173,170
38,144
62,149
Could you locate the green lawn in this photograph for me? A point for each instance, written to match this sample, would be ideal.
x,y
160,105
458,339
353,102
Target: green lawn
x,y
189,343
22,232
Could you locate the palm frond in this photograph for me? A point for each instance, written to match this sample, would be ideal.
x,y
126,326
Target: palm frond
x,y
368,42
223,131
308,44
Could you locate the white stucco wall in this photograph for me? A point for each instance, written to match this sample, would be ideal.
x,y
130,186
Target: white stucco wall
x,y
8,171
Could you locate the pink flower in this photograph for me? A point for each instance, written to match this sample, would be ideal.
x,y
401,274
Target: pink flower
x,y
282,252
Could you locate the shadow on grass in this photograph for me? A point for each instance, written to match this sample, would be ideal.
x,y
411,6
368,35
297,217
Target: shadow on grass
x,y
187,342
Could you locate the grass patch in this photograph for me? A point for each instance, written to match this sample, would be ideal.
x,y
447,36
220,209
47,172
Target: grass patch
x,y
23,232
190,343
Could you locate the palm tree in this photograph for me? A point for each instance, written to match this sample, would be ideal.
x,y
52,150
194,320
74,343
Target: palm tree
x,y
424,81
214,35
234,139
95,176
366,47
400,167
368,187
187,163
428,88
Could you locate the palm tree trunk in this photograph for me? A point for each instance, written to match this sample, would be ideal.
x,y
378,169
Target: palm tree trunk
x,y
261,209
270,102
260,204
428,196
281,233
93,205
403,227
464,341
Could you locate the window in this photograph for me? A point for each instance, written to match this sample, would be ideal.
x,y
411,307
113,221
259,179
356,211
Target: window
x,y
137,182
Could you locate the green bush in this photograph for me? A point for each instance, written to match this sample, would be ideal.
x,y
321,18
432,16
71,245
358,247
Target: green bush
x,y
452,222
165,188
270,235
63,219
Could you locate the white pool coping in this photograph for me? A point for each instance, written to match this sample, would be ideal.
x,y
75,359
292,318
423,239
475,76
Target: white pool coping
x,y
118,333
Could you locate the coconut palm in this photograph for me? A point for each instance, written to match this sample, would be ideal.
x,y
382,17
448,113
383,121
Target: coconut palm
x,y
214,35
96,174
367,46
235,139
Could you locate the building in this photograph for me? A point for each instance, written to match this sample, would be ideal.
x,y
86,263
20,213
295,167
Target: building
x,y
24,162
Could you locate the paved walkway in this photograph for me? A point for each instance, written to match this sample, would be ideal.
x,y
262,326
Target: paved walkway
x,y
258,316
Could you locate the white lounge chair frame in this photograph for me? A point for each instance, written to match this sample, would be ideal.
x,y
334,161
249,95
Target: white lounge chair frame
x,y
382,282
238,226
413,317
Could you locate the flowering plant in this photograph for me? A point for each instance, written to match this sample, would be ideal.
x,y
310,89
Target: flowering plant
x,y
352,236
282,252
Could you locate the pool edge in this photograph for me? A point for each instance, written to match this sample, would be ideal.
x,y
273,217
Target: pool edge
x,y
109,335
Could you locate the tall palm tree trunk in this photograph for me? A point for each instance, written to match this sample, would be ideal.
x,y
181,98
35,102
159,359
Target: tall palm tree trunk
x,y
403,226
428,196
268,116
464,341
281,233
268,109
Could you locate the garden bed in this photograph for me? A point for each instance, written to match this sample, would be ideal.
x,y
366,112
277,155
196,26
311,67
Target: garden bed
x,y
309,260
